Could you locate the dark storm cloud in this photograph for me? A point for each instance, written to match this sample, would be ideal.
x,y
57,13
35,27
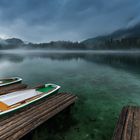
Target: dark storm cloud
x,y
45,20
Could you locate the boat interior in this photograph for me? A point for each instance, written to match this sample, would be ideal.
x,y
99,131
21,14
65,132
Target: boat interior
x,y
15,99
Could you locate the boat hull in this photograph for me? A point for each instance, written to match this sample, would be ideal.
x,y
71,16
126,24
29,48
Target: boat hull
x,y
10,81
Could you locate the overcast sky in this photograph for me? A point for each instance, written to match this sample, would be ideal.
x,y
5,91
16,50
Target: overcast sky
x,y
75,20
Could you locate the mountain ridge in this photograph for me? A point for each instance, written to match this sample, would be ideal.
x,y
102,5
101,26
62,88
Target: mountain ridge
x,y
131,32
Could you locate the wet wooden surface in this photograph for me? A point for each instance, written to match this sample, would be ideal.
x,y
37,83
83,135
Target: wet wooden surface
x,y
128,125
17,125
12,88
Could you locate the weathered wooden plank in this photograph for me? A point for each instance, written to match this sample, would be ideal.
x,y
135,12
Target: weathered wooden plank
x,y
136,124
120,124
36,123
127,131
12,88
128,126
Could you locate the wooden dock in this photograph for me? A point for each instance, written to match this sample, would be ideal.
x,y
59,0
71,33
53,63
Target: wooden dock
x,y
27,119
128,126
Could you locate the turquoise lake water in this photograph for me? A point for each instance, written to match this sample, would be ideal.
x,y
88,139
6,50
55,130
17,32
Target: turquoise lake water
x,y
104,83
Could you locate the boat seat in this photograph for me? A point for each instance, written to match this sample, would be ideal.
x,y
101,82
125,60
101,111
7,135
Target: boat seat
x,y
3,106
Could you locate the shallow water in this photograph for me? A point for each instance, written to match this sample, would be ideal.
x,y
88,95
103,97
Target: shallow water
x,y
104,83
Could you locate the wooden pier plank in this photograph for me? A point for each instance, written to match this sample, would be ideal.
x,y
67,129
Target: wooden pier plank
x,y
136,124
127,131
120,124
128,126
42,119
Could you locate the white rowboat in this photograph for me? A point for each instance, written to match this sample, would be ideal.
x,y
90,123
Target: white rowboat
x,y
15,100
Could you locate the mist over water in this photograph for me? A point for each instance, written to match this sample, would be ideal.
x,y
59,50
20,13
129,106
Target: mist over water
x,y
27,51
104,83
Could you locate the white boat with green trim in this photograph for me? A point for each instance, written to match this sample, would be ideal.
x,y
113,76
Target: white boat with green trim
x,y
10,81
19,99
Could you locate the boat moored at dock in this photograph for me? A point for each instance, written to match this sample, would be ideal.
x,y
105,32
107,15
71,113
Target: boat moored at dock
x,y
10,81
15,100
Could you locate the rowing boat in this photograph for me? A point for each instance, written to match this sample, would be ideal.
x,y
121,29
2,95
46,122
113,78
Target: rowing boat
x,y
19,99
9,81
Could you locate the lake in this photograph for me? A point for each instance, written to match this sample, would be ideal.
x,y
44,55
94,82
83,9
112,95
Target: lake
x,y
104,81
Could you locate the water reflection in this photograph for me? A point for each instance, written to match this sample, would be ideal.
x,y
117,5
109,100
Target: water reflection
x,y
118,59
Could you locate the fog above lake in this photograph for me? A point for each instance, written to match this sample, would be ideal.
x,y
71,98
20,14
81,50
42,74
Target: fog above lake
x,y
26,51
